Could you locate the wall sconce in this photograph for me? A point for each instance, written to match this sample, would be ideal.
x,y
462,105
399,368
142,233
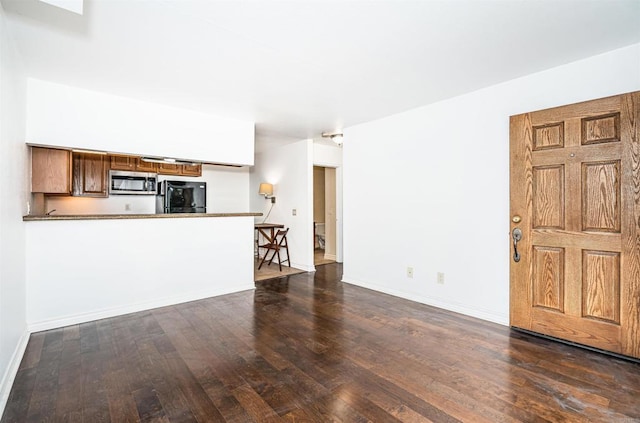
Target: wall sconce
x,y
266,189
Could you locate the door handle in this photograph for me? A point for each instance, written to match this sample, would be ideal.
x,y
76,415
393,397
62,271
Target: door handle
x,y
517,236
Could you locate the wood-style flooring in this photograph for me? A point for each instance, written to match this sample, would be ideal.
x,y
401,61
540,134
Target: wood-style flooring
x,y
308,348
318,258
273,271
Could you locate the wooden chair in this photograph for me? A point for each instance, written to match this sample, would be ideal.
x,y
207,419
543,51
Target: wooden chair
x,y
278,243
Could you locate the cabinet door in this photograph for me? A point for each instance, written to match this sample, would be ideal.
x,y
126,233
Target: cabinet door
x,y
123,163
169,169
50,171
142,166
192,170
90,175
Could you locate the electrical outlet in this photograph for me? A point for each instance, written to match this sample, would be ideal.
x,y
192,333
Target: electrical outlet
x,y
294,212
410,272
440,278
127,207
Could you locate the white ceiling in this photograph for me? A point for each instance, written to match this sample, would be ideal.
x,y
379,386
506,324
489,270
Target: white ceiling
x,y
298,68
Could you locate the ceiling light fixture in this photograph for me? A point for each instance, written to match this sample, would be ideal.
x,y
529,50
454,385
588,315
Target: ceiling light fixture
x,y
168,160
80,150
335,137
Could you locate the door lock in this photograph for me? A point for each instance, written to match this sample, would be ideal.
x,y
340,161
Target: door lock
x,y
517,236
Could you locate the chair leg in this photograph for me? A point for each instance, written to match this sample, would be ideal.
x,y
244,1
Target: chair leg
x,y
263,259
279,261
272,257
286,247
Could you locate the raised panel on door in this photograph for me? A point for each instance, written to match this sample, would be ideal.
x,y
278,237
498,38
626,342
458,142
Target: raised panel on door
x,y
548,278
575,190
122,163
50,171
192,170
548,197
601,285
142,166
601,129
601,196
548,136
169,169
90,175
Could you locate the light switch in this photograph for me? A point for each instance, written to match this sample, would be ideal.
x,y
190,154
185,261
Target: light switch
x,y
294,212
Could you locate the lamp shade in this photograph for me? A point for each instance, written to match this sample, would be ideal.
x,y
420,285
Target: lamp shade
x,y
265,189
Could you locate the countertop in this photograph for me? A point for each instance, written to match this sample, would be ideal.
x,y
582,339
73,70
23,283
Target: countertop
x,y
31,218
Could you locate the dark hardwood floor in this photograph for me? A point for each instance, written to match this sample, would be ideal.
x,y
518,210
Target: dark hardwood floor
x,y
311,349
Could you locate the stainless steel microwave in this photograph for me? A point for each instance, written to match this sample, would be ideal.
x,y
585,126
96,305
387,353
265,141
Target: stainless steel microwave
x,y
136,183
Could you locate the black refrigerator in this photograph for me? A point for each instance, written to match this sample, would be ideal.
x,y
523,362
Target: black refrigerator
x,y
181,197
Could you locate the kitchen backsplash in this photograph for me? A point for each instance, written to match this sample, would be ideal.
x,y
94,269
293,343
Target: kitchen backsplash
x,y
227,192
114,204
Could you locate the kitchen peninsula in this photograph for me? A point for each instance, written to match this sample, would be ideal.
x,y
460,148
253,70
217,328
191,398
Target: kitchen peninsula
x,y
84,268
96,254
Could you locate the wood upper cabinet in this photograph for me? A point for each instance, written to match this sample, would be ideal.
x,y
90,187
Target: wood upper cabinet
x,y
142,166
50,171
123,163
169,169
192,170
179,170
91,175
55,171
132,163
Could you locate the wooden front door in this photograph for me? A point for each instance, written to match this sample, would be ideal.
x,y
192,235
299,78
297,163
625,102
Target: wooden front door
x,y
575,197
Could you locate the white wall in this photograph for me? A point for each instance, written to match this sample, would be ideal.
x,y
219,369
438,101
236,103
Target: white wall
x,y
227,192
227,189
289,168
327,155
64,116
441,178
13,197
86,270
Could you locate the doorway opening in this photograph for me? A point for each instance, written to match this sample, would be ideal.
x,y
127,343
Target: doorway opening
x,y
324,215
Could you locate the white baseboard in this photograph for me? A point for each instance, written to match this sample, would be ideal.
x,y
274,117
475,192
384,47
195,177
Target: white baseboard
x,y
330,257
436,302
12,370
38,326
304,267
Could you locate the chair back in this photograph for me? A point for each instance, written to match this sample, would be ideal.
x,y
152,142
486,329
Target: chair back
x,y
281,237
